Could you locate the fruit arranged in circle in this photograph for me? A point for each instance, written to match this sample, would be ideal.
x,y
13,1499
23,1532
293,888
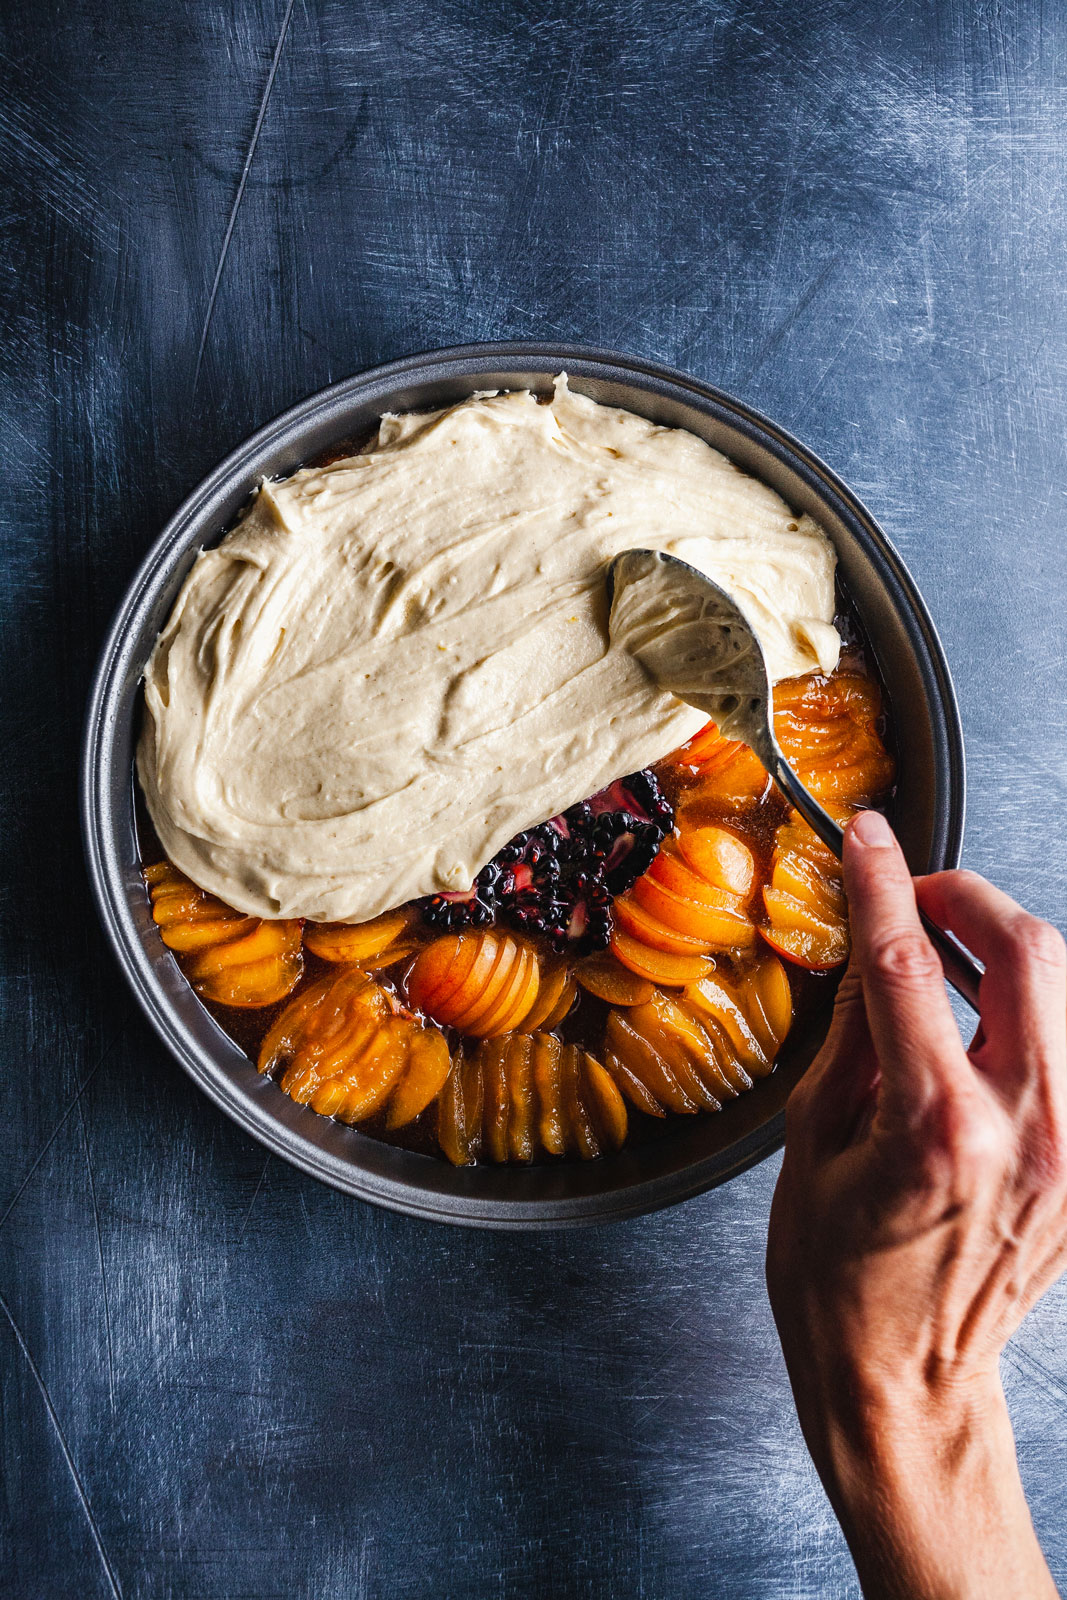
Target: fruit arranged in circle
x,y
527,1095
805,911
557,880
828,731
728,775
481,983
229,958
378,943
652,910
692,900
696,1051
347,1051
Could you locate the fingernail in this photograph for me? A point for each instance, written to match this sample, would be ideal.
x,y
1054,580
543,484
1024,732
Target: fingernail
x,y
871,829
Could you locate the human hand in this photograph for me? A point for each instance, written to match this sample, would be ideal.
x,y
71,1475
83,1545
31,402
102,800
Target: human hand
x,y
920,1212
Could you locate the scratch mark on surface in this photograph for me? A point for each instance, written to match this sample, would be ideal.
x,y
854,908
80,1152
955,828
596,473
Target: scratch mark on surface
x,y
784,212
254,1198
1023,1361
100,1257
778,333
43,1151
228,235
65,1448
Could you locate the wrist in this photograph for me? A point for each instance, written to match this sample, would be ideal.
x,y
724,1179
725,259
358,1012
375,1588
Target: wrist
x,y
909,1437
924,1479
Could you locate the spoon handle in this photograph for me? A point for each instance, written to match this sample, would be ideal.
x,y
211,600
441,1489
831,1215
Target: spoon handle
x,y
962,971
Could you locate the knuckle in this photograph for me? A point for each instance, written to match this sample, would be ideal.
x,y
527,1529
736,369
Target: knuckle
x,y
1037,942
957,1145
967,878
904,959
972,1140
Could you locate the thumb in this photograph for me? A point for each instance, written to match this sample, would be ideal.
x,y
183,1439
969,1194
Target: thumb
x,y
918,1045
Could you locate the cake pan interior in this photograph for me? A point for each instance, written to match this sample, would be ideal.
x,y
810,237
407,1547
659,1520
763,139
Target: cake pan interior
x,y
693,1154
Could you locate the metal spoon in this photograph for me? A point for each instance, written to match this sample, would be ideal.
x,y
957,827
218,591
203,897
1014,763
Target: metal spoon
x,y
697,644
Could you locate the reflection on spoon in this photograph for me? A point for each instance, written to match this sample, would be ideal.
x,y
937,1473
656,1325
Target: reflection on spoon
x,y
693,640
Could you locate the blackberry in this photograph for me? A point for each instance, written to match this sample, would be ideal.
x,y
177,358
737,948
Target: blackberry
x,y
558,880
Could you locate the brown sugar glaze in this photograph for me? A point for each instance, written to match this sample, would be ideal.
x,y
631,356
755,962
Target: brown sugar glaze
x,y
811,990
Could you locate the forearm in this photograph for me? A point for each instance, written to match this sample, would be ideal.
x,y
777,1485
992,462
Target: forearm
x,y
928,1493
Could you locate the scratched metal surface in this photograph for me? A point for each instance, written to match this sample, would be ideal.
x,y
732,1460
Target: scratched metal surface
x,y
218,1378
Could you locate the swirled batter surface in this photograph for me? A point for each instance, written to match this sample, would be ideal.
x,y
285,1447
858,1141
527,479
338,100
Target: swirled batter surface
x,y
395,663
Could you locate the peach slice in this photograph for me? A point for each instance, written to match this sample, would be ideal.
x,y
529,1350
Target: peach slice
x,y
400,950
632,918
546,1063
447,967
229,958
716,927
704,1048
604,1104
505,989
459,1114
724,1065
343,941
480,983
525,1095
727,775
818,947
343,1048
199,934
492,1064
371,1077
261,983
658,966
516,1001
805,913
522,1117
671,871
752,1006
681,1042
263,941
828,730
469,1004
719,857
427,1068
626,1036
689,902
555,998
443,966
605,977
631,1086
712,1000
768,1000
577,1114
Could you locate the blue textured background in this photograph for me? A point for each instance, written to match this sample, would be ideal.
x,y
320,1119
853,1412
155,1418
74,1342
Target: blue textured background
x,y
220,1379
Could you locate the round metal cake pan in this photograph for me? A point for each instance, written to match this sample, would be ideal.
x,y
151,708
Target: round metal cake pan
x,y
693,1154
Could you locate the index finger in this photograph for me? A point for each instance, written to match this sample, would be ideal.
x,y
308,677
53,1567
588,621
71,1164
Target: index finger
x,y
914,1032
